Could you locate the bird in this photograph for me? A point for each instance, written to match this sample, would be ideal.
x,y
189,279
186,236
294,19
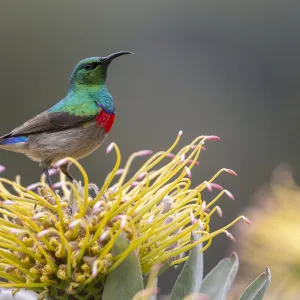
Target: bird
x,y
75,126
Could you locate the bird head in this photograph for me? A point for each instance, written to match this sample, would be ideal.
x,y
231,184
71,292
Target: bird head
x,y
92,71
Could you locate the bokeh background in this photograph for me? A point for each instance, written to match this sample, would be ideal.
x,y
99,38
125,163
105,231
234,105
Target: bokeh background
x,y
226,68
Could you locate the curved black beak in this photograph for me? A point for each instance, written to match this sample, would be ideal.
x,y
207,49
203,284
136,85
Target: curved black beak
x,y
109,58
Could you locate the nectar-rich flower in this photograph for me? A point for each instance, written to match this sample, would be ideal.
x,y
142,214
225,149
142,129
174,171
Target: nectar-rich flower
x,y
59,242
274,237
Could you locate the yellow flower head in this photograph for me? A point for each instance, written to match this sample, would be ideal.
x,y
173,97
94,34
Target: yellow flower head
x,y
274,237
61,242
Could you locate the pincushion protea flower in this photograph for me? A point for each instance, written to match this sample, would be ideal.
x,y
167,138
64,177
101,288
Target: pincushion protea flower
x,y
59,243
274,214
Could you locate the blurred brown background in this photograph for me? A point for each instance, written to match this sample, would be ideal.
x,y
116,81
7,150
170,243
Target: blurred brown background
x,y
224,68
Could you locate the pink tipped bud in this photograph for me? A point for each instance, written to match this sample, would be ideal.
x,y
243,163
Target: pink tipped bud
x,y
142,175
42,233
33,186
15,230
192,218
8,202
219,211
150,219
182,157
38,215
246,220
203,148
53,171
123,221
2,168
57,185
103,236
216,186
229,194
180,133
135,183
95,270
203,205
208,186
98,204
120,171
113,188
212,138
170,155
188,172
109,148
96,211
143,153
73,224
60,163
201,224
231,172
202,143
229,235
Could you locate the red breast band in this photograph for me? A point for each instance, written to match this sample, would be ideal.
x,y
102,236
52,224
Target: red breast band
x,y
105,120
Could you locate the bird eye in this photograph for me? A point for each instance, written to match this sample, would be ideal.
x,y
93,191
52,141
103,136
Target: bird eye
x,y
91,66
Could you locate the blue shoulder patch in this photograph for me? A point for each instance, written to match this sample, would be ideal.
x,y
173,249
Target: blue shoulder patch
x,y
15,140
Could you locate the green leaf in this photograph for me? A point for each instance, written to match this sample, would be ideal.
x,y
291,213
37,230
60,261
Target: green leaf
x,y
190,278
219,280
256,290
126,280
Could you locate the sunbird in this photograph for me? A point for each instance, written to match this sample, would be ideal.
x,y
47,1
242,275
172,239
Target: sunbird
x,y
75,126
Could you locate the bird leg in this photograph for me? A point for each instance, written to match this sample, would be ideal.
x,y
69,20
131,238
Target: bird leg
x,y
65,169
48,178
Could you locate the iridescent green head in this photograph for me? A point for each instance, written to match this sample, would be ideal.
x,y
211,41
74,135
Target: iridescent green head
x,y
92,71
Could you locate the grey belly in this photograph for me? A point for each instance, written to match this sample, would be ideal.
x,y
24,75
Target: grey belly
x,y
76,142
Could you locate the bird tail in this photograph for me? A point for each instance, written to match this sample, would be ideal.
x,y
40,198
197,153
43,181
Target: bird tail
x,y
13,143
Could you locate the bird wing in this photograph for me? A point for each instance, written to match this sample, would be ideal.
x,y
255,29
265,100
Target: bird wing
x,y
49,121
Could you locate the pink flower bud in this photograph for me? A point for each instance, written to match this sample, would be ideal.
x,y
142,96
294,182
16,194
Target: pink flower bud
x,y
141,175
73,224
2,168
53,171
103,236
212,138
193,219
120,171
208,186
188,172
216,186
60,163
109,148
42,233
229,235
231,172
229,194
219,211
143,152
246,220
33,186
